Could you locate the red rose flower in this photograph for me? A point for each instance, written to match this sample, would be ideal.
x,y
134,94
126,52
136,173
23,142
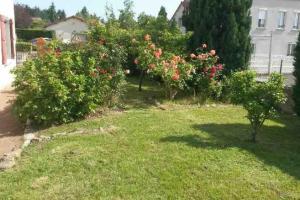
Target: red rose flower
x,y
176,77
193,56
220,67
213,52
213,69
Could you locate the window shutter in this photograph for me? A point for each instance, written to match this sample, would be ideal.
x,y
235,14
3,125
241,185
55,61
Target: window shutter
x,y
12,38
3,40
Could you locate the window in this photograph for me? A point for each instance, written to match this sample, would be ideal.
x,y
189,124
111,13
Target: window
x,y
253,48
291,49
281,19
296,24
262,18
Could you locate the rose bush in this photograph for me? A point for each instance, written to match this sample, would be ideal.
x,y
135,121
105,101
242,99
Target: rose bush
x,y
172,69
207,73
63,86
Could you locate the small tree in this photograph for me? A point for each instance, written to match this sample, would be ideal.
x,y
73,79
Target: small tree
x,y
261,100
297,75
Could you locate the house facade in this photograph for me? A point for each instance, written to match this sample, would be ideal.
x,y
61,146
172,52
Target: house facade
x,y
274,32
69,30
7,42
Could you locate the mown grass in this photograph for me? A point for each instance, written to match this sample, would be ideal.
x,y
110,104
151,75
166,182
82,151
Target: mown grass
x,y
184,152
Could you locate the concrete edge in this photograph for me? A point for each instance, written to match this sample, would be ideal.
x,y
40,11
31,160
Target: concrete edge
x,y
8,161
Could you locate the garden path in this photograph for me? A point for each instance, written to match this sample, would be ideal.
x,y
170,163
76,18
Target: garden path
x,y
11,131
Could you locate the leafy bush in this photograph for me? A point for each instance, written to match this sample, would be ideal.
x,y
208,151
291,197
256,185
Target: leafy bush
x,y
30,34
261,100
63,86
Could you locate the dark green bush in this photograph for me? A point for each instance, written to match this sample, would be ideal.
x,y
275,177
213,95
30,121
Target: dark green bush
x,y
296,89
30,34
61,87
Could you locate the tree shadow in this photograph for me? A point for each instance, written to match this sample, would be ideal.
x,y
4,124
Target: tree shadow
x,y
277,146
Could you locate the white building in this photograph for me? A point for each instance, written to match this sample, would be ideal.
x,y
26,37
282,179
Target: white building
x,y
7,42
274,32
70,29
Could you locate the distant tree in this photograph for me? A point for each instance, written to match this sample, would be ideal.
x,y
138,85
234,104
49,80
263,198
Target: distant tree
x,y
145,21
296,93
84,13
22,17
61,14
223,25
162,19
126,17
110,14
163,13
51,13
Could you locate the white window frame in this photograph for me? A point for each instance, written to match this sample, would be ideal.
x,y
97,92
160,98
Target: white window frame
x,y
291,49
262,19
253,48
281,19
296,22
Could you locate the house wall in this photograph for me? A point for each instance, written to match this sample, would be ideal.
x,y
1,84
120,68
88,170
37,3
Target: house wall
x,y
65,30
277,44
178,17
261,37
7,10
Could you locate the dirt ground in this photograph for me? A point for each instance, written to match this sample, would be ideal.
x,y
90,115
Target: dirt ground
x,y
11,131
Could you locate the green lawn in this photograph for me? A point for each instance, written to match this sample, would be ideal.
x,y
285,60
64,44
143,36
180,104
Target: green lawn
x,y
184,152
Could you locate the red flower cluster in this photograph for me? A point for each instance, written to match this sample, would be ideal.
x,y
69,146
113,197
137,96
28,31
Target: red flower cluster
x,y
158,53
214,70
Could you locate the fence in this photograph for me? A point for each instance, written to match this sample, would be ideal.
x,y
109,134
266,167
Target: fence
x,y
23,56
260,64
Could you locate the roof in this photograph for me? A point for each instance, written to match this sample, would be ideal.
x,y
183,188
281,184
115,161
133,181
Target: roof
x,y
68,18
184,4
181,4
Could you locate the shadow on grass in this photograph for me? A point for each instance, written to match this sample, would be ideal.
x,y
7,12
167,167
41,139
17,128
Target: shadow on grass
x,y
278,146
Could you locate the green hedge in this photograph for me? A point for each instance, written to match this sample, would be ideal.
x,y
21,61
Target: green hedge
x,y
29,34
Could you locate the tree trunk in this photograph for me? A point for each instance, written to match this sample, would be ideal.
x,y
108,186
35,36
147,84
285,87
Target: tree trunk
x,y
172,94
141,80
254,134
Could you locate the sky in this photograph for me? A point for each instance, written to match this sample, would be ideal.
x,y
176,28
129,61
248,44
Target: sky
x,y
98,6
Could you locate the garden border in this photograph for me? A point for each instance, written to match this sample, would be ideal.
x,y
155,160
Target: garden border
x,y
8,161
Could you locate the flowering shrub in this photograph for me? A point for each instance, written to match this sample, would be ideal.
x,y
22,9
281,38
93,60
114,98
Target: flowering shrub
x,y
261,100
63,86
149,56
207,71
174,71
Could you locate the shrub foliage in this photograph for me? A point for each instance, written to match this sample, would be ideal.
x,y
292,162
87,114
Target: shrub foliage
x,y
30,34
260,99
60,87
